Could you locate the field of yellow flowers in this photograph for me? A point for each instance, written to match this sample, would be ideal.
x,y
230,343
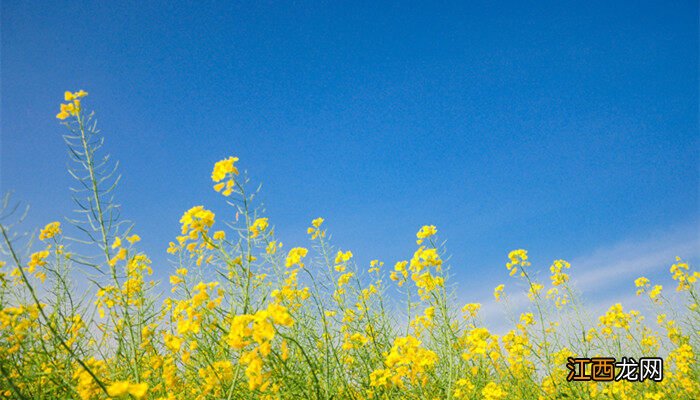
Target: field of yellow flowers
x,y
246,317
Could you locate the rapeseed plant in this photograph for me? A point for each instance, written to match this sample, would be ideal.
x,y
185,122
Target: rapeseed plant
x,y
245,318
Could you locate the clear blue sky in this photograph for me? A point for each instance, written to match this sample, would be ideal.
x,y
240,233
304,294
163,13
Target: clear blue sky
x,y
567,128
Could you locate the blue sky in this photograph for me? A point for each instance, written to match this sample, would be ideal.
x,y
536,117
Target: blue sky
x,y
570,130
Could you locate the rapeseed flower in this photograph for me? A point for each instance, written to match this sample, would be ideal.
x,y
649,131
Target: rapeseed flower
x,y
50,230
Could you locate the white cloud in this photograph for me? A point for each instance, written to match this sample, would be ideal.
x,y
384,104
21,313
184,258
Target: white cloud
x,y
628,260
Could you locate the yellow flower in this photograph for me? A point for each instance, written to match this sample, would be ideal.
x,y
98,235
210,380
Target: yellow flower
x,y
472,309
122,388
121,255
681,272
295,256
498,291
117,242
175,279
615,317
172,342
641,282
375,265
272,247
38,259
655,292
464,387
527,319
279,315
71,108
50,230
133,238
68,96
558,277
259,226
118,389
405,361
223,169
343,257
195,221
517,258
493,392
284,351
534,290
315,230
425,232
345,279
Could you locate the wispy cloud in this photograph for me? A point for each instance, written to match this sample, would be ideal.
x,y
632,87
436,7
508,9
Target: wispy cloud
x,y
628,260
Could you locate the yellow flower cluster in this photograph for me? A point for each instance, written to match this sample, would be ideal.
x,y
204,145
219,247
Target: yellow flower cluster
x,y
375,265
133,286
345,279
295,256
527,318
188,313
15,325
196,221
655,292
86,386
498,291
423,322
225,170
534,290
425,232
216,377
257,329
683,359
73,108
519,349
518,258
341,259
38,260
472,309
124,388
680,272
479,342
289,292
558,277
272,247
464,389
354,341
421,263
50,230
107,296
615,317
643,285
405,363
315,229
400,273
259,226
493,392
